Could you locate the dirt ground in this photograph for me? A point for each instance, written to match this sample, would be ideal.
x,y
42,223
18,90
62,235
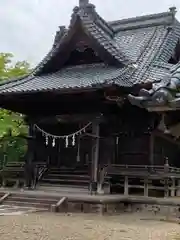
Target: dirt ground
x,y
45,226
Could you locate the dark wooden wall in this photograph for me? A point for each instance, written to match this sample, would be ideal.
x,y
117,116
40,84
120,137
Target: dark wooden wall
x,y
133,150
124,139
165,149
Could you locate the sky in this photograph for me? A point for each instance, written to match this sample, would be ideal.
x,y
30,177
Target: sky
x,y
28,26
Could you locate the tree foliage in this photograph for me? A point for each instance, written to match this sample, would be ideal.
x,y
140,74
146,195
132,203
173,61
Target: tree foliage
x,y
10,69
12,124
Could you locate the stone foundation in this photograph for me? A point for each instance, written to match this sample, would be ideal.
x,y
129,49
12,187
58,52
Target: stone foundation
x,y
118,208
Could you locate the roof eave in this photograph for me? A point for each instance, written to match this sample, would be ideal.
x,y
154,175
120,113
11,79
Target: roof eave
x,y
66,90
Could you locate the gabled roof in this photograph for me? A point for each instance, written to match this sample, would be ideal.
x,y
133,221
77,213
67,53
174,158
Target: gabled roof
x,y
95,27
142,46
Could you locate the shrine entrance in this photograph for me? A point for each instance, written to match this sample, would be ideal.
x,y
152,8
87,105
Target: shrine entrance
x,y
70,153
65,145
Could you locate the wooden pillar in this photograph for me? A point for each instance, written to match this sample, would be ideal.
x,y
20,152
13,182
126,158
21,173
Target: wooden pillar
x,y
59,154
146,187
166,187
116,146
166,179
100,189
126,186
178,188
29,169
151,149
95,156
173,186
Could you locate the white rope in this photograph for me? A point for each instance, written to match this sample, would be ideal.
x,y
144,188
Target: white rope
x,y
46,134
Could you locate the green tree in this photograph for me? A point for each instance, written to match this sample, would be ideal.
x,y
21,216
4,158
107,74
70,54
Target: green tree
x,y
12,124
9,69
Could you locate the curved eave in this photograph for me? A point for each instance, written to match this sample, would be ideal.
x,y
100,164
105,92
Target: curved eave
x,y
66,90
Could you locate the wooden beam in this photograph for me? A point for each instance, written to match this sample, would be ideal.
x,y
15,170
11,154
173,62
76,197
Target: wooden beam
x,y
166,137
55,207
4,197
91,135
161,109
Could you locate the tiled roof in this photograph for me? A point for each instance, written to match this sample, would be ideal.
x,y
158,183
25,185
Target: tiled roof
x,y
134,41
83,76
143,46
94,26
164,18
104,38
149,44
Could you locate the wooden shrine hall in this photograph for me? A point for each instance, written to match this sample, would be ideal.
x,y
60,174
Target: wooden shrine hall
x,y
103,105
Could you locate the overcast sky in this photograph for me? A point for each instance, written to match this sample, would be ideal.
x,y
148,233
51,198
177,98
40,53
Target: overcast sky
x,y
28,26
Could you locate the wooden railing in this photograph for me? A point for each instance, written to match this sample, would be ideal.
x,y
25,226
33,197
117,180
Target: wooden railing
x,y
12,171
149,177
39,170
152,169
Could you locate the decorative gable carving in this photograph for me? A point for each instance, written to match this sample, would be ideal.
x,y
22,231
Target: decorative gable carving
x,y
82,56
82,53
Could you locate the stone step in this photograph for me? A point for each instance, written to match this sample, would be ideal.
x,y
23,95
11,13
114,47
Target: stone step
x,y
7,210
33,196
32,200
28,204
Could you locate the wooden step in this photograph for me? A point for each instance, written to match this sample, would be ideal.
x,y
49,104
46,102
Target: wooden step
x,y
66,176
74,181
63,190
68,172
61,187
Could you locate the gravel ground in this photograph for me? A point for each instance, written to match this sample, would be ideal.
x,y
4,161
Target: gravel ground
x,y
45,226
